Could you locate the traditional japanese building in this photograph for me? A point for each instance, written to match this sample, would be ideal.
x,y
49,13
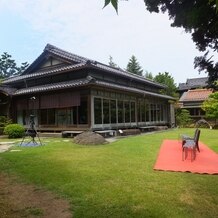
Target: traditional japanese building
x,y
192,95
192,83
192,101
69,92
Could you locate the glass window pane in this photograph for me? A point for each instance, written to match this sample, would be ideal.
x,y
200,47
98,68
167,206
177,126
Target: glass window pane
x,y
127,112
75,117
106,111
24,117
69,117
142,106
43,116
158,112
155,112
120,112
138,112
152,112
113,111
51,116
161,112
133,112
83,111
61,117
97,111
147,112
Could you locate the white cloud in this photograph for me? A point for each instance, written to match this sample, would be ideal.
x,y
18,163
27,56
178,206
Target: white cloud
x,y
82,27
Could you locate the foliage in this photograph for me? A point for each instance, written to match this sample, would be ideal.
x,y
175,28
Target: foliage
x,y
8,66
1,130
133,66
200,18
4,121
111,62
202,123
14,130
117,179
166,79
210,106
215,126
205,64
183,118
113,2
149,75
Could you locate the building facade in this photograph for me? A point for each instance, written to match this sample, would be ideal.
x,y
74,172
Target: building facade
x,y
191,84
192,95
69,92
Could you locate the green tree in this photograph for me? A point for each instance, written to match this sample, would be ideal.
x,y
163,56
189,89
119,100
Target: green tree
x,y
200,18
113,2
149,75
166,79
4,121
210,106
111,62
183,118
8,66
133,66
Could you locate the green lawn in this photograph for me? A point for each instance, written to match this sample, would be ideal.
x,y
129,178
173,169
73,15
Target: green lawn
x,y
117,179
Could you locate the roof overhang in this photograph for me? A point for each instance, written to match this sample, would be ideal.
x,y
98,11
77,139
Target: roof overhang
x,y
89,81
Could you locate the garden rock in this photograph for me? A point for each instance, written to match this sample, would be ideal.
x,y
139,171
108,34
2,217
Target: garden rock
x,y
89,138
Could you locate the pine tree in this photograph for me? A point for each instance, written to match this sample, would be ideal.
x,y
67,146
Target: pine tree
x,y
166,79
8,66
199,18
111,62
149,75
183,118
134,67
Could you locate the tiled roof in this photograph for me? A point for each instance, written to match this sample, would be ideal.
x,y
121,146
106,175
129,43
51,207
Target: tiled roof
x,y
131,89
119,71
53,86
44,72
7,90
81,62
83,82
193,83
195,95
64,54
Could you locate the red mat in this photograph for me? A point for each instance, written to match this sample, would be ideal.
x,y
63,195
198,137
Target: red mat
x,y
170,159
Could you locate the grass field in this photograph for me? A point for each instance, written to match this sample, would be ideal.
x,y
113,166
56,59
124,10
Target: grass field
x,y
117,179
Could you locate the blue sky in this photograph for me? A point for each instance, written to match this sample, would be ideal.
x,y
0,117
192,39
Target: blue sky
x,y
84,28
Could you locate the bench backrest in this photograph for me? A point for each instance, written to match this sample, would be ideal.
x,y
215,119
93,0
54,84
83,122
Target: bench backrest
x,y
196,138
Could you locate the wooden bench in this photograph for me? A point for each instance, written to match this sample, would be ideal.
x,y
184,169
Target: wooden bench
x,y
149,128
71,133
106,133
126,132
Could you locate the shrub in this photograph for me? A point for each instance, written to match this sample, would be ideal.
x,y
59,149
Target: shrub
x,y
1,130
4,121
192,125
14,130
183,118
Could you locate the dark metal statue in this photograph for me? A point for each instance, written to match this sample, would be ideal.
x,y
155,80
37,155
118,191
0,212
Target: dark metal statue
x,y
31,132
